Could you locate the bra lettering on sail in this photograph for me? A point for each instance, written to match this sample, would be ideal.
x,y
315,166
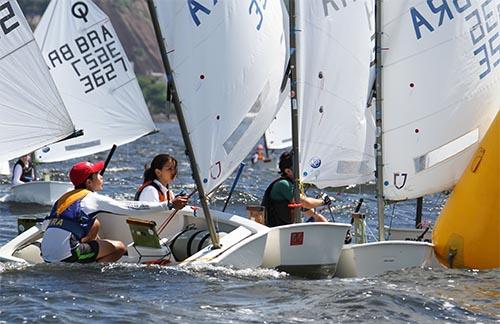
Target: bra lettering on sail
x,y
6,14
254,4
195,6
482,22
94,57
335,6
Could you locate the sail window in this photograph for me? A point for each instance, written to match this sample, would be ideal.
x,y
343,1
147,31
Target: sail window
x,y
446,151
249,118
82,145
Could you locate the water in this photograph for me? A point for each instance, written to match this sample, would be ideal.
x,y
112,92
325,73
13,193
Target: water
x,y
130,293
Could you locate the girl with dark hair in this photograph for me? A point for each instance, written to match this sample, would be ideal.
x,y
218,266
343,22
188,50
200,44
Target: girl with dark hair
x,y
157,179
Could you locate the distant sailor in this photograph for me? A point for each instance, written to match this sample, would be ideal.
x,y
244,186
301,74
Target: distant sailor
x,y
72,226
23,171
157,178
279,195
259,154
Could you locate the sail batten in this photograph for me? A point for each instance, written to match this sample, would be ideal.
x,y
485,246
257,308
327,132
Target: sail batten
x,y
94,77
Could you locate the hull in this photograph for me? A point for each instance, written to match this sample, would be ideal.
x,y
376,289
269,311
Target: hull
x,y
310,250
407,234
370,259
39,192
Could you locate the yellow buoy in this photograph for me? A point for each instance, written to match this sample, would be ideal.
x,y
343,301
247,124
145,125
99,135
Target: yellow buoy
x,y
467,231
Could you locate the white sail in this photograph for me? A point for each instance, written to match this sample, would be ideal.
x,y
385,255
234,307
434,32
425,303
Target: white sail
x,y
279,133
441,90
228,60
32,112
337,129
94,77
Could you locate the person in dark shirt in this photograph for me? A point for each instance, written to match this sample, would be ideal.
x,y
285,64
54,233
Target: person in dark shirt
x,y
23,171
280,194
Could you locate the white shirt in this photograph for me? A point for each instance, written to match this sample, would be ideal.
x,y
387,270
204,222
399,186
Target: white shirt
x,y
149,193
56,241
16,175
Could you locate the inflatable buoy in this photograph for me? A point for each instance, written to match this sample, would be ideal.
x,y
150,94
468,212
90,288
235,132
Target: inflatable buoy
x,y
467,232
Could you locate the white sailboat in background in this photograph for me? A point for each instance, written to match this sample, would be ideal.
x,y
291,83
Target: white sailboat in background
x,y
33,113
97,84
337,129
455,107
437,93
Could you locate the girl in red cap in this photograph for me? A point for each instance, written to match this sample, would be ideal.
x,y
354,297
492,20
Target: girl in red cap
x,y
72,226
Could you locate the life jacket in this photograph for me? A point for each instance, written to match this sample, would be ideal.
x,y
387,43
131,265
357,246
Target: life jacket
x,y
277,212
155,185
68,215
28,171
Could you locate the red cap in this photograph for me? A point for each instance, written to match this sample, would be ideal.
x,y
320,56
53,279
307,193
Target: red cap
x,y
82,170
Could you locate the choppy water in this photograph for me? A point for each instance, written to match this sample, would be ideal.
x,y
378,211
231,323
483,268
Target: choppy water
x,y
129,293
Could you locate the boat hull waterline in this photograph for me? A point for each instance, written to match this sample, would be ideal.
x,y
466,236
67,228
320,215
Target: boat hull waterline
x,y
307,249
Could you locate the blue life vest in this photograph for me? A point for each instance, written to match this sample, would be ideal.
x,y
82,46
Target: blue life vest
x,y
68,215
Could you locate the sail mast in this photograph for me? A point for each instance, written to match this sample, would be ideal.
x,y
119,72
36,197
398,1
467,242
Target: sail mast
x,y
183,125
378,116
295,113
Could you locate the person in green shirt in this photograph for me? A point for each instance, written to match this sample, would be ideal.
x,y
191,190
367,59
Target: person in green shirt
x,y
280,194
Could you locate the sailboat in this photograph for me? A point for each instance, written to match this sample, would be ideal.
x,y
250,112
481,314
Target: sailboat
x,y
431,115
244,102
229,73
33,113
97,84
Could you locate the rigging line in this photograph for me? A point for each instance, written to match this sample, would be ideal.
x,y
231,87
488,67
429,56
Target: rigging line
x,y
371,233
18,48
330,92
392,217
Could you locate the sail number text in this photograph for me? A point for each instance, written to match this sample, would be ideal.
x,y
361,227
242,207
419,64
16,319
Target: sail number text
x,y
197,7
7,24
94,57
482,21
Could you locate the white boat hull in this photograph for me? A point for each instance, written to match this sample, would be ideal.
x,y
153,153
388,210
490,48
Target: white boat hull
x,y
370,259
308,249
39,192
